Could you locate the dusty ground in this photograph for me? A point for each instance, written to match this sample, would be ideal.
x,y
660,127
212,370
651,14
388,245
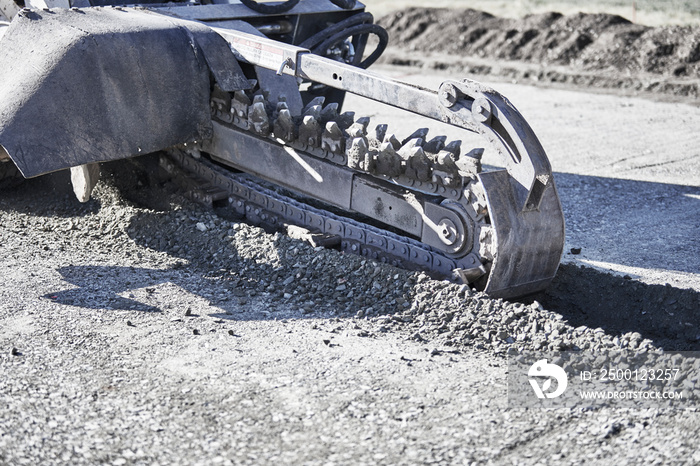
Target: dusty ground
x,y
647,12
590,50
142,329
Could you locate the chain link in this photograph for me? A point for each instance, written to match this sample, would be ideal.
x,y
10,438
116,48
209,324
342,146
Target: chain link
x,y
262,205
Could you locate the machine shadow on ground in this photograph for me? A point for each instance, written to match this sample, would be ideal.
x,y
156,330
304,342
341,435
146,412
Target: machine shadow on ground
x,y
632,223
662,313
582,295
635,224
47,196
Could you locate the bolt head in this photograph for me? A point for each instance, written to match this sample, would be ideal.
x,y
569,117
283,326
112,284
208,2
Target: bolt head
x,y
447,232
448,95
481,109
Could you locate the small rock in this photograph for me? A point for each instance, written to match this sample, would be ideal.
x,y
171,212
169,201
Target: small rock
x,y
15,352
201,227
130,324
575,251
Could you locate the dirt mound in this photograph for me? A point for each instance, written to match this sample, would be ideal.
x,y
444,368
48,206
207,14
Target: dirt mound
x,y
587,43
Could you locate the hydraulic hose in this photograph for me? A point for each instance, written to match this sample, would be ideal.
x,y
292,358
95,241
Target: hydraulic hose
x,y
359,24
346,4
359,29
270,9
325,34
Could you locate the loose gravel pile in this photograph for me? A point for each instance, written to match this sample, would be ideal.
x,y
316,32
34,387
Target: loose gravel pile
x,y
251,271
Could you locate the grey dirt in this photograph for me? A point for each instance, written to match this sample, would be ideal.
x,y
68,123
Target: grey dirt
x,y
140,328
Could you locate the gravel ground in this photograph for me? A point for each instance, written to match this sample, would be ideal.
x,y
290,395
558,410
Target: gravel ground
x,y
140,328
133,335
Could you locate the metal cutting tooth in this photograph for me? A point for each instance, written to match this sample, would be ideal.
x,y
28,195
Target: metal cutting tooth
x,y
281,105
284,127
435,145
332,139
391,139
364,121
388,161
471,161
346,119
314,111
445,170
257,118
357,153
454,147
261,99
316,101
359,128
329,112
417,163
310,132
380,132
411,143
420,133
240,104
